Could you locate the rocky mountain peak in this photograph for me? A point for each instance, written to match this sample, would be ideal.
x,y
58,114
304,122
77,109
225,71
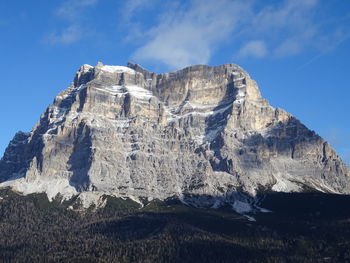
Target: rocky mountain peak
x,y
204,134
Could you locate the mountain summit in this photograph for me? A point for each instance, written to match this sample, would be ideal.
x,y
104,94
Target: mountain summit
x,y
202,134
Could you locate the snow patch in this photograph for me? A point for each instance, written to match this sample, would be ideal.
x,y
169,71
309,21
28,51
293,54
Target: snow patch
x,y
241,93
202,106
136,199
87,66
100,121
211,134
88,199
58,113
322,187
139,92
240,86
239,101
264,210
174,117
217,204
122,123
284,185
51,187
240,78
118,69
16,143
182,199
250,218
114,90
241,207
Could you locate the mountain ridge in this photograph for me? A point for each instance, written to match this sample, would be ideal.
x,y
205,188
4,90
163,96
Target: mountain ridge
x,y
199,131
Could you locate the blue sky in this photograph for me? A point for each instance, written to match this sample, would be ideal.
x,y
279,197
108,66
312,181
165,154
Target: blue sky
x,y
297,50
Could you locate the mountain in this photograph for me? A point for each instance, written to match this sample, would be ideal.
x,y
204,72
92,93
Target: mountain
x,y
202,134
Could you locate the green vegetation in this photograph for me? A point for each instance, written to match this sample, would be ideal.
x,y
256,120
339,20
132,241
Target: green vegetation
x,y
302,228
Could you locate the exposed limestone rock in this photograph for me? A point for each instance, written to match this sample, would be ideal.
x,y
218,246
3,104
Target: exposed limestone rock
x,y
202,132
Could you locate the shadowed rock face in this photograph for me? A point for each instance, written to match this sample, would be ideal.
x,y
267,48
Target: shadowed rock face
x,y
200,131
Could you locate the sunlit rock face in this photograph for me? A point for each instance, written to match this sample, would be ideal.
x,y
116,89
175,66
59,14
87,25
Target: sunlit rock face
x,y
201,132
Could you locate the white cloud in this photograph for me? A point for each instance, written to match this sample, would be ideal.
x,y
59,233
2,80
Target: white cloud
x,y
254,48
132,6
288,27
327,43
289,14
70,11
288,47
190,34
69,35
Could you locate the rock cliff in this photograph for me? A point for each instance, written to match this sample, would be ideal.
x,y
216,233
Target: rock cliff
x,y
203,134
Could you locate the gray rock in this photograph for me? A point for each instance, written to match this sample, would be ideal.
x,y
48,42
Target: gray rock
x,y
203,134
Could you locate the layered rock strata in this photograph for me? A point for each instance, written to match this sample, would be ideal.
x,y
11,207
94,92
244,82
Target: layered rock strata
x,y
203,134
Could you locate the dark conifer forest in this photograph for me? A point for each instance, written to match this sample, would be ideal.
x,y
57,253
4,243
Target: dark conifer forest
x,y
310,227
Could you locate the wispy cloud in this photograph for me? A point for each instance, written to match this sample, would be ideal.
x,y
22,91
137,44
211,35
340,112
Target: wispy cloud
x,y
69,35
254,48
328,43
338,137
285,14
287,26
133,6
294,26
70,11
190,33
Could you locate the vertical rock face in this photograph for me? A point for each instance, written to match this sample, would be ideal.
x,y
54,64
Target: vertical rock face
x,y
201,131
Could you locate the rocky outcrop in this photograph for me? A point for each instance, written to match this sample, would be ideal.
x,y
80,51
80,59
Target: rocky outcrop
x,y
201,132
